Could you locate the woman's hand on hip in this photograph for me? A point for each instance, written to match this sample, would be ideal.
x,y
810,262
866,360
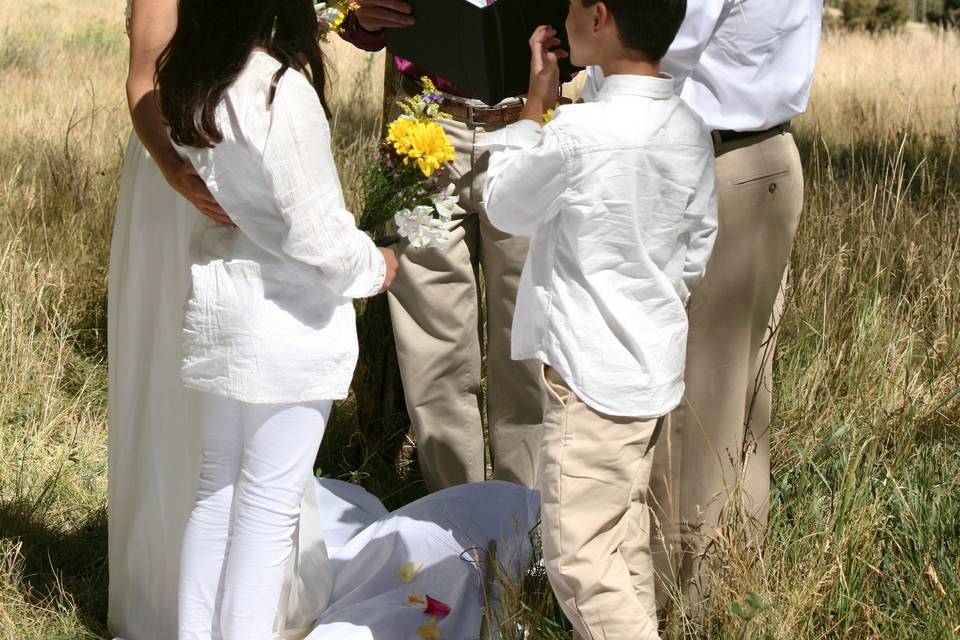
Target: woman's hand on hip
x,y
191,186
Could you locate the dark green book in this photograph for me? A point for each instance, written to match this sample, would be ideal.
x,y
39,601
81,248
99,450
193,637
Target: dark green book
x,y
482,50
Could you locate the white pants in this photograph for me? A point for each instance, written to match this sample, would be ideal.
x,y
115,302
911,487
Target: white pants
x,y
257,461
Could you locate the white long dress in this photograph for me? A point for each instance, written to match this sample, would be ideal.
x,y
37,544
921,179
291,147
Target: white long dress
x,y
154,435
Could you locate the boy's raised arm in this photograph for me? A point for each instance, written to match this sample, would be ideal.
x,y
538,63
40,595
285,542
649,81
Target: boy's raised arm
x,y
527,177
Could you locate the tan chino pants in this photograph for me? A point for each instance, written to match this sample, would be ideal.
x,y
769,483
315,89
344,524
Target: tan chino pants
x,y
436,314
595,521
713,461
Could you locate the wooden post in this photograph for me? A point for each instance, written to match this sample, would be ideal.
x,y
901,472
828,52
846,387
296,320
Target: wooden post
x,y
381,409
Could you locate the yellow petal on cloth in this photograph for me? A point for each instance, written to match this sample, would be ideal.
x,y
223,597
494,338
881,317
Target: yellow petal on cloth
x,y
409,570
430,630
416,600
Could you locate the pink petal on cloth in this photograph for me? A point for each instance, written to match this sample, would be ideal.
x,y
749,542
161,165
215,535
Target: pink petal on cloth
x,y
436,608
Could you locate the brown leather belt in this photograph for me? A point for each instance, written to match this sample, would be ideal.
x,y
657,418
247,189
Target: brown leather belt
x,y
471,114
726,140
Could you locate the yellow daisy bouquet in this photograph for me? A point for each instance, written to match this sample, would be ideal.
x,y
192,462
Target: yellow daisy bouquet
x,y
403,183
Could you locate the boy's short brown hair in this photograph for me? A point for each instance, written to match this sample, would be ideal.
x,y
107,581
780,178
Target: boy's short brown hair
x,y
646,26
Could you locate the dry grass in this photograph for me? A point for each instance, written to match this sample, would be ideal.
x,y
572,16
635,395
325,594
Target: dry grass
x,y
867,86
866,519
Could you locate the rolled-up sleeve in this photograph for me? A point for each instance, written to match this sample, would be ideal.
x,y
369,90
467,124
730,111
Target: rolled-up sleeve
x,y
701,214
526,179
301,173
698,27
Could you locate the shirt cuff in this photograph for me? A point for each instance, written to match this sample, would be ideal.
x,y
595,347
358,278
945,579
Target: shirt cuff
x,y
359,37
379,275
522,134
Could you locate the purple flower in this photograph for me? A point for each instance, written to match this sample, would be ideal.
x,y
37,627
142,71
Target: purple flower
x,y
433,98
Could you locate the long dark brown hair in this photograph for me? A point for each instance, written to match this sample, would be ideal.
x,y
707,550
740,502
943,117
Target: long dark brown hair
x,y
213,40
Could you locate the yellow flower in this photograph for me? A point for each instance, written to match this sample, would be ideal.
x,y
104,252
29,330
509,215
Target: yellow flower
x,y
430,630
415,600
409,570
548,116
422,142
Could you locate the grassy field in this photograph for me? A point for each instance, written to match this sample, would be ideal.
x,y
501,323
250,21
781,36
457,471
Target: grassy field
x,y
865,530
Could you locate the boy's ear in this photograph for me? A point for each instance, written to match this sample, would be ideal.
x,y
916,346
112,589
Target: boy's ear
x,y
601,16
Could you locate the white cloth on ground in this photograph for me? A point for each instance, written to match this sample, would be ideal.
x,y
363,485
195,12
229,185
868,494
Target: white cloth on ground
x,y
445,532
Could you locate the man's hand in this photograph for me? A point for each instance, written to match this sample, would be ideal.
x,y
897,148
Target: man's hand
x,y
374,15
187,183
544,73
390,259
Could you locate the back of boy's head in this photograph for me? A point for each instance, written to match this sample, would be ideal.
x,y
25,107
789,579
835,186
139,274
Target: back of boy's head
x,y
646,26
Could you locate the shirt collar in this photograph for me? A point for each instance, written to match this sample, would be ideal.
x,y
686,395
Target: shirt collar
x,y
656,88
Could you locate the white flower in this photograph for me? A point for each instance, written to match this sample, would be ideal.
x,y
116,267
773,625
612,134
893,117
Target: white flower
x,y
445,202
421,227
329,16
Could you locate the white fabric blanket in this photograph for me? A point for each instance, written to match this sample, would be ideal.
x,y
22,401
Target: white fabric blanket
x,y
436,547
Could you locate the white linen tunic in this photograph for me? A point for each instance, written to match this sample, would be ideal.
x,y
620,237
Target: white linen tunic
x,y
619,198
270,317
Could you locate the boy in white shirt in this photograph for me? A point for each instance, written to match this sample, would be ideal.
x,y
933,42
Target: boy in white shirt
x,y
618,197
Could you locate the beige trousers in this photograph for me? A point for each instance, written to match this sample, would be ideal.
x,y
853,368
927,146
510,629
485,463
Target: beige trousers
x,y
595,521
435,306
713,464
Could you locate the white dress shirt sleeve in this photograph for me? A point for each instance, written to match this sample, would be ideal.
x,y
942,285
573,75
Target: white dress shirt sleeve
x,y
526,179
301,172
698,27
701,214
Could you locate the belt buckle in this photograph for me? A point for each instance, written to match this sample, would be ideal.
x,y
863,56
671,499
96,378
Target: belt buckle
x,y
470,121
717,141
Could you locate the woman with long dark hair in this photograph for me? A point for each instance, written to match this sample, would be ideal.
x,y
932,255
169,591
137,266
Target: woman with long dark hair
x,y
269,336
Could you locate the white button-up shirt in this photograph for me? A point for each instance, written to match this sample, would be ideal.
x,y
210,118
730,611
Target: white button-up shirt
x,y
270,318
743,65
618,196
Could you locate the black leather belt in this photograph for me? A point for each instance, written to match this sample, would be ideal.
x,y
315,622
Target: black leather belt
x,y
726,137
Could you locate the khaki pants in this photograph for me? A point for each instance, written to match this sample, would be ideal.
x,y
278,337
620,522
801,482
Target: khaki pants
x,y
436,314
713,462
595,522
